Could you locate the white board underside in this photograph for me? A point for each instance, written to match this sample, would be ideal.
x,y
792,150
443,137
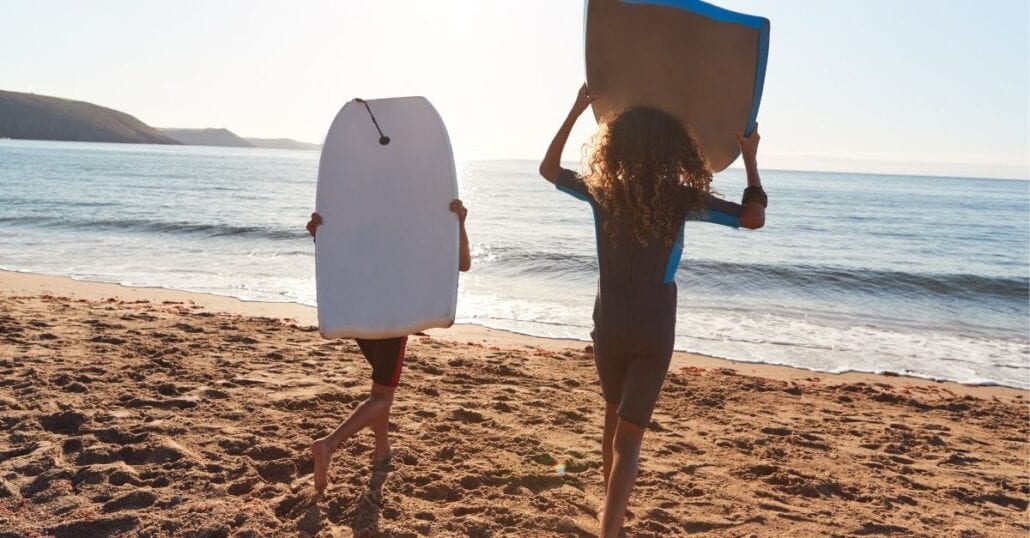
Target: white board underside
x,y
386,258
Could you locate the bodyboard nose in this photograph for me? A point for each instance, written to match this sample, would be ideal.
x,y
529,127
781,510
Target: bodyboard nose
x,y
703,64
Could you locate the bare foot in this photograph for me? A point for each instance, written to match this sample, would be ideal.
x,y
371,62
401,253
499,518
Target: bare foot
x,y
321,454
382,462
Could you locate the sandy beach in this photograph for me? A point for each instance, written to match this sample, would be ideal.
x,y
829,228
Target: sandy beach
x,y
150,412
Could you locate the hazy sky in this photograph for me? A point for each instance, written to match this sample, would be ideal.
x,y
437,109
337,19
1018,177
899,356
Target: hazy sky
x,y
920,86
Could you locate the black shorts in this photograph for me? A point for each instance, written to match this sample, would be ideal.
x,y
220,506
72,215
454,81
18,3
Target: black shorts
x,y
634,337
386,357
632,377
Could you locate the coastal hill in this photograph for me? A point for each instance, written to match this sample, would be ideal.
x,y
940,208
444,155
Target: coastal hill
x,y
40,117
29,116
282,143
207,137
227,138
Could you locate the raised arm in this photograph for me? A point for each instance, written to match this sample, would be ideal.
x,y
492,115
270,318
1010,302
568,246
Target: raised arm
x,y
464,256
750,212
550,167
753,214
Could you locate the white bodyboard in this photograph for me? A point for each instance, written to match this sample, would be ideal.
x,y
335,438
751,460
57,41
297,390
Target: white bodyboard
x,y
386,255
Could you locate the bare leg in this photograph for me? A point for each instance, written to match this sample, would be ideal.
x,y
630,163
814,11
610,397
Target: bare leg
x,y
611,420
381,427
364,415
626,448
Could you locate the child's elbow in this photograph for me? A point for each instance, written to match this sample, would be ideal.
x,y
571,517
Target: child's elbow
x,y
548,171
752,224
752,221
464,265
753,217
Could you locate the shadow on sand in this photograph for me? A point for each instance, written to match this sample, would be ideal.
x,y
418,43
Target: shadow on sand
x,y
369,508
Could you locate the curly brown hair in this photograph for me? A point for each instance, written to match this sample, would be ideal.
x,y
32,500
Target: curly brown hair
x,y
639,162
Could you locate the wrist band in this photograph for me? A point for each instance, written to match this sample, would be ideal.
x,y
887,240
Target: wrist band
x,y
755,194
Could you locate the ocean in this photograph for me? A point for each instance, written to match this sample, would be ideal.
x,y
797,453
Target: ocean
x,y
923,276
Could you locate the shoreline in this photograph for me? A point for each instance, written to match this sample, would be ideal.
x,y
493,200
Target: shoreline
x,y
34,284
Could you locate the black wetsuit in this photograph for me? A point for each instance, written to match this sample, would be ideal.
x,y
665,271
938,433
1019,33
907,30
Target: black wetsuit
x,y
635,309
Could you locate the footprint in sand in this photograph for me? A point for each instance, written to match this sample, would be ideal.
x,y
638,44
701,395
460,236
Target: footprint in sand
x,y
134,500
282,471
467,416
268,453
94,526
64,422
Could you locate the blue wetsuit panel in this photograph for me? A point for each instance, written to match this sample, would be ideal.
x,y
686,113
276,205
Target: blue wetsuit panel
x,y
717,211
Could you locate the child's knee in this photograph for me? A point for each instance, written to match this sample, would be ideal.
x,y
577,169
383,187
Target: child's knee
x,y
628,438
381,400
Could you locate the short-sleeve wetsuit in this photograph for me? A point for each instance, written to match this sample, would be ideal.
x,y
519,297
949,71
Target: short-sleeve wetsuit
x,y
635,308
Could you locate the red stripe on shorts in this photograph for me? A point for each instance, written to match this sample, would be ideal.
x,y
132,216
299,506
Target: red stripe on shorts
x,y
400,361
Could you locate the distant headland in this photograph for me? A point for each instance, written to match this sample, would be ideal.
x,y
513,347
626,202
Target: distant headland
x,y
29,116
39,117
227,138
206,137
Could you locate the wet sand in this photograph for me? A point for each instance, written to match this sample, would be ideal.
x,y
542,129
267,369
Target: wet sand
x,y
148,412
